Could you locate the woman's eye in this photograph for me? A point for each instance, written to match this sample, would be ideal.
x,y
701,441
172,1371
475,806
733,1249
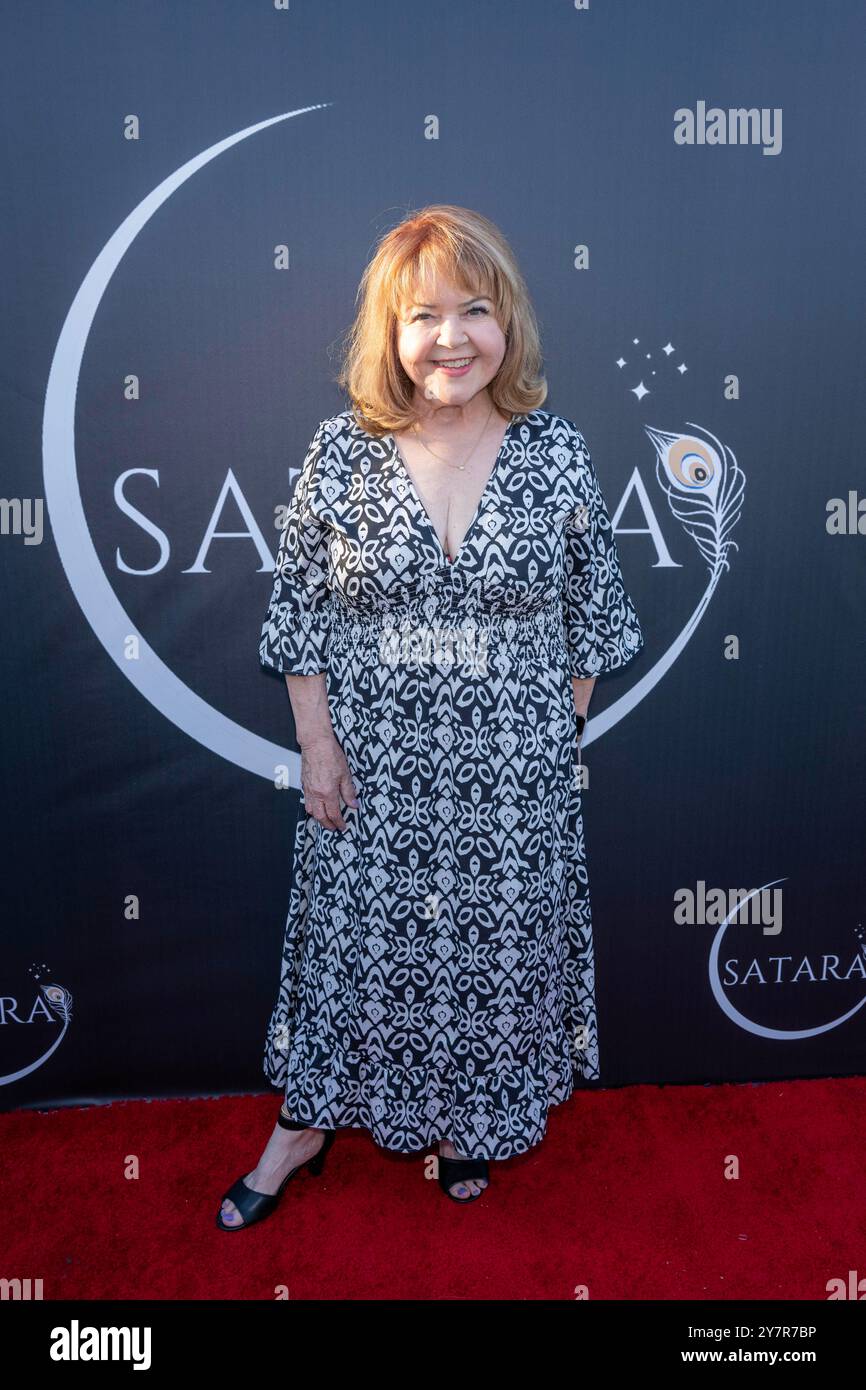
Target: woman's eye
x,y
476,309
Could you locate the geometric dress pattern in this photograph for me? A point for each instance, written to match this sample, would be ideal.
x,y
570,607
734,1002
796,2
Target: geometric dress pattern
x,y
437,977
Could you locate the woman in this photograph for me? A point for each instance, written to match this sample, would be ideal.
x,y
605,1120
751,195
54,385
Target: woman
x,y
446,590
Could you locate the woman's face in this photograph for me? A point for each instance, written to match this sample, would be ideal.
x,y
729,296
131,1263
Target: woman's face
x,y
449,327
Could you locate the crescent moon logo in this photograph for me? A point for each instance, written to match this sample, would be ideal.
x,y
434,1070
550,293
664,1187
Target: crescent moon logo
x,y
94,594
740,1019
87,579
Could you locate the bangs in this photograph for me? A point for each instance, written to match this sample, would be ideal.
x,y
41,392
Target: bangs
x,y
437,256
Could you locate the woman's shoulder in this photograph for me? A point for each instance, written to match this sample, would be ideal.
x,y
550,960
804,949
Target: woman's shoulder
x,y
338,426
343,433
336,438
558,435
550,424
341,451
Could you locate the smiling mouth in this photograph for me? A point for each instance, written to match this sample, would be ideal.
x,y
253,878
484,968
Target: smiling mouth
x,y
454,361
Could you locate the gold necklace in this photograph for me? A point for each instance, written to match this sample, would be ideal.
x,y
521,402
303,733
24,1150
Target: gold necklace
x,y
460,467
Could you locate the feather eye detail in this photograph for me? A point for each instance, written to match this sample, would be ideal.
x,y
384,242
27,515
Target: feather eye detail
x,y
704,486
58,998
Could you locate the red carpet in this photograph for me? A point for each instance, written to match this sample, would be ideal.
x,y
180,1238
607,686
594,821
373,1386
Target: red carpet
x,y
626,1195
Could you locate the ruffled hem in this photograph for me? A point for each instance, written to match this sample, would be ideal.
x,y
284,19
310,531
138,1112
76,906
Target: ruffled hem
x,y
408,1109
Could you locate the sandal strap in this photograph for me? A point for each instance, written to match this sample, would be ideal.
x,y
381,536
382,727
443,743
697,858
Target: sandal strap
x,y
252,1205
286,1123
291,1124
452,1170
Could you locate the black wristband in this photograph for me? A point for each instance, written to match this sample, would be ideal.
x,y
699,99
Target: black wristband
x,y
581,724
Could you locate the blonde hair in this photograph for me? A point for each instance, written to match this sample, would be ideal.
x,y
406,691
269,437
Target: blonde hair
x,y
468,249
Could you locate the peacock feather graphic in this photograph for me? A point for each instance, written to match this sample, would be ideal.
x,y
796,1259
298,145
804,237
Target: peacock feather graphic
x,y
59,1000
704,487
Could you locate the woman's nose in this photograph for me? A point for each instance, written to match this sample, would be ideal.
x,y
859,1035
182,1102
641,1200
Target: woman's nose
x,y
451,333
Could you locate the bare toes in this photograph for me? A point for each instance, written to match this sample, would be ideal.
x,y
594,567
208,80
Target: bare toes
x,y
230,1214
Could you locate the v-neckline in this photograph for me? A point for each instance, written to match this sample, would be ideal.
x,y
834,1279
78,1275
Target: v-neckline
x,y
488,487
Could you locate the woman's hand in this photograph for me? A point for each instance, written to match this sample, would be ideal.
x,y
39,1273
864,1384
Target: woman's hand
x,y
583,687
325,779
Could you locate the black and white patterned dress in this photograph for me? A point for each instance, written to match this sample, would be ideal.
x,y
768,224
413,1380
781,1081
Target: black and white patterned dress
x,y
437,974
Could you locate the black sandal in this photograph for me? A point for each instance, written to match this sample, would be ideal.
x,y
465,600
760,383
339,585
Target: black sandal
x,y
255,1206
454,1170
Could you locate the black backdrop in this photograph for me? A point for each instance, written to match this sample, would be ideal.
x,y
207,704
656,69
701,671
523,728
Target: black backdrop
x,y
165,365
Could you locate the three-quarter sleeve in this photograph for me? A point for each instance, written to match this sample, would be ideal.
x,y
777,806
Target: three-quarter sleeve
x,y
601,626
294,637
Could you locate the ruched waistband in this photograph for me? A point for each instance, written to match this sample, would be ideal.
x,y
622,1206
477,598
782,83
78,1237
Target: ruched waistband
x,y
418,624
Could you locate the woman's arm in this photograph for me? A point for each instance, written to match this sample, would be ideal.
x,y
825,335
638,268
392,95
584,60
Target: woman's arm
x,y
583,687
309,697
325,774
